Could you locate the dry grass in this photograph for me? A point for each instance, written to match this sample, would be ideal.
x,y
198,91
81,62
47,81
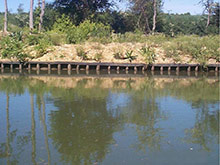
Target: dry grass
x,y
68,52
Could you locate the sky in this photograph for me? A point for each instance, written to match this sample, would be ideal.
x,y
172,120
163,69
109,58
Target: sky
x,y
170,6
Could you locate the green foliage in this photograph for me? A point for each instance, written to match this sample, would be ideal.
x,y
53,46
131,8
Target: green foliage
x,y
199,48
86,30
98,56
42,47
12,46
149,54
81,53
63,24
41,42
56,39
129,56
33,39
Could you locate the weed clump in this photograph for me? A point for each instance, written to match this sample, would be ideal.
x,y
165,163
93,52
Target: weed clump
x,y
149,54
129,56
98,56
81,53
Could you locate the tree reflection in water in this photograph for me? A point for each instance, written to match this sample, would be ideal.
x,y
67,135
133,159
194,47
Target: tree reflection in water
x,y
83,126
206,127
82,129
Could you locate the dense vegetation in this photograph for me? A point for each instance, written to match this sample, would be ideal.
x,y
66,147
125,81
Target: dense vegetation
x,y
76,22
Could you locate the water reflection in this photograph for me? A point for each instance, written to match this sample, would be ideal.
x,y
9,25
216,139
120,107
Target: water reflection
x,y
205,129
81,117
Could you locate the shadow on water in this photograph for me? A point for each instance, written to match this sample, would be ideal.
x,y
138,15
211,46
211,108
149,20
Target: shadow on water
x,y
81,115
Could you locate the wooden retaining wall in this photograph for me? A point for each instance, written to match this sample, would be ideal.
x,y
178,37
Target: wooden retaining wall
x,y
127,67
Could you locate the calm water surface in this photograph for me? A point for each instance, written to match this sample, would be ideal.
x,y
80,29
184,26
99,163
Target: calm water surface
x,y
109,120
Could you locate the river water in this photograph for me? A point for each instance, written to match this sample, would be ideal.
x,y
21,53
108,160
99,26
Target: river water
x,y
110,120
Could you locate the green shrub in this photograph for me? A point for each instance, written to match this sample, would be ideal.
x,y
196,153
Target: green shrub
x,y
87,30
32,39
81,53
56,39
149,54
42,47
63,24
199,48
13,46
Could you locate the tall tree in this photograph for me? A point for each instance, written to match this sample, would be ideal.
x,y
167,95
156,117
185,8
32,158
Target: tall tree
x,y
39,3
154,16
79,10
146,12
6,18
208,5
42,15
31,18
143,9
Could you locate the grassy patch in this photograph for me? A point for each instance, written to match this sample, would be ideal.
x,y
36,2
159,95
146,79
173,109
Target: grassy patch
x,y
81,53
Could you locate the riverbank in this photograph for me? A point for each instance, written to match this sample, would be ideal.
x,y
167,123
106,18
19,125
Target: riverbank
x,y
132,48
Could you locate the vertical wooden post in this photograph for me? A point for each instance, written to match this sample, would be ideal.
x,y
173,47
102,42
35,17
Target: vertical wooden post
x,y
109,69
2,66
87,67
38,67
196,69
161,68
48,67
169,68
29,66
98,68
11,67
59,67
126,69
135,69
118,69
177,69
216,69
69,68
20,67
77,67
152,68
189,69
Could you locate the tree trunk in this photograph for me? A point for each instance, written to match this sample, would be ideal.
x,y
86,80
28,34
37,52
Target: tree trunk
x,y
33,134
147,27
139,21
8,130
45,130
209,15
6,18
42,15
31,19
39,3
155,15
